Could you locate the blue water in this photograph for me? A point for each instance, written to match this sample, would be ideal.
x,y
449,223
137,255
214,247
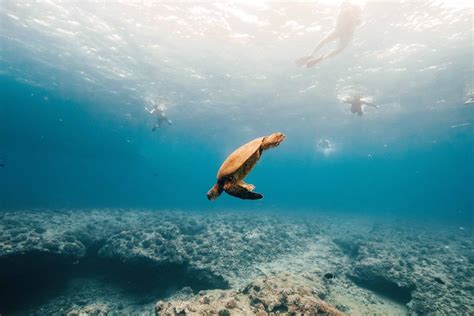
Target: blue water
x,y
68,143
383,202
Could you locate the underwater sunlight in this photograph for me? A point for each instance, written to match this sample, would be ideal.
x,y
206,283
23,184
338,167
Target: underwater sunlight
x,y
236,157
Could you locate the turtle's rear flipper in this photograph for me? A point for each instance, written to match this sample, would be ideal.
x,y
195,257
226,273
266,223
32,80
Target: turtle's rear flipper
x,y
247,186
242,193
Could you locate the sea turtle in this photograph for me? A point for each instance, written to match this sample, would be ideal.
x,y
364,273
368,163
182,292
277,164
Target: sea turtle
x,y
238,165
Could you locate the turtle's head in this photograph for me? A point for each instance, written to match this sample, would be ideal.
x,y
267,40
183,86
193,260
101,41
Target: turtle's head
x,y
273,140
214,192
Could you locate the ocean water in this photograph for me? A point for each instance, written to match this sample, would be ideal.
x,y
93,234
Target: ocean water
x,y
81,168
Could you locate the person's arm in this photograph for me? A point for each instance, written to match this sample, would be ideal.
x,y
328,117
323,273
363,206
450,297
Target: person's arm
x,y
370,104
347,101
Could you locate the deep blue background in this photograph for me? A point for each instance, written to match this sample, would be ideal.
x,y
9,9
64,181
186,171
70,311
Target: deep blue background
x,y
61,153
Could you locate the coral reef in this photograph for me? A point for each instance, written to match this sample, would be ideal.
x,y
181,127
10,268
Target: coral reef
x,y
94,309
126,260
425,267
266,296
66,233
227,244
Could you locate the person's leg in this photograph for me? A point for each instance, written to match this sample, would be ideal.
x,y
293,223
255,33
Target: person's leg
x,y
343,43
327,39
157,125
333,53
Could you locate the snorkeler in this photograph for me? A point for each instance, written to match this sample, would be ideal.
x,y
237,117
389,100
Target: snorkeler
x,y
347,21
356,104
159,112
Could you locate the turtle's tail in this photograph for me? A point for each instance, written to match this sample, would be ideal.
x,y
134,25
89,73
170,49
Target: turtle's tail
x,y
214,192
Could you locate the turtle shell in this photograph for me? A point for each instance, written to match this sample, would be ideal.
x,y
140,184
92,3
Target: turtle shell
x,y
235,160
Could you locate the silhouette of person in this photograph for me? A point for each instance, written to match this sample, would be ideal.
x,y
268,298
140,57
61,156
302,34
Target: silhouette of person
x,y
356,104
347,21
159,112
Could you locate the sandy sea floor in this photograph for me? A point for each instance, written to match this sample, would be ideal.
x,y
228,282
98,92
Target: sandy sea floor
x,y
103,261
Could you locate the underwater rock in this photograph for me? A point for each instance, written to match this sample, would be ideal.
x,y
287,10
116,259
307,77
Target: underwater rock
x,y
377,277
226,244
269,295
90,310
348,247
62,233
409,267
425,270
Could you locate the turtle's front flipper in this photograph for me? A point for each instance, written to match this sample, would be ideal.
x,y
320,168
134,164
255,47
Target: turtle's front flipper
x,y
241,192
